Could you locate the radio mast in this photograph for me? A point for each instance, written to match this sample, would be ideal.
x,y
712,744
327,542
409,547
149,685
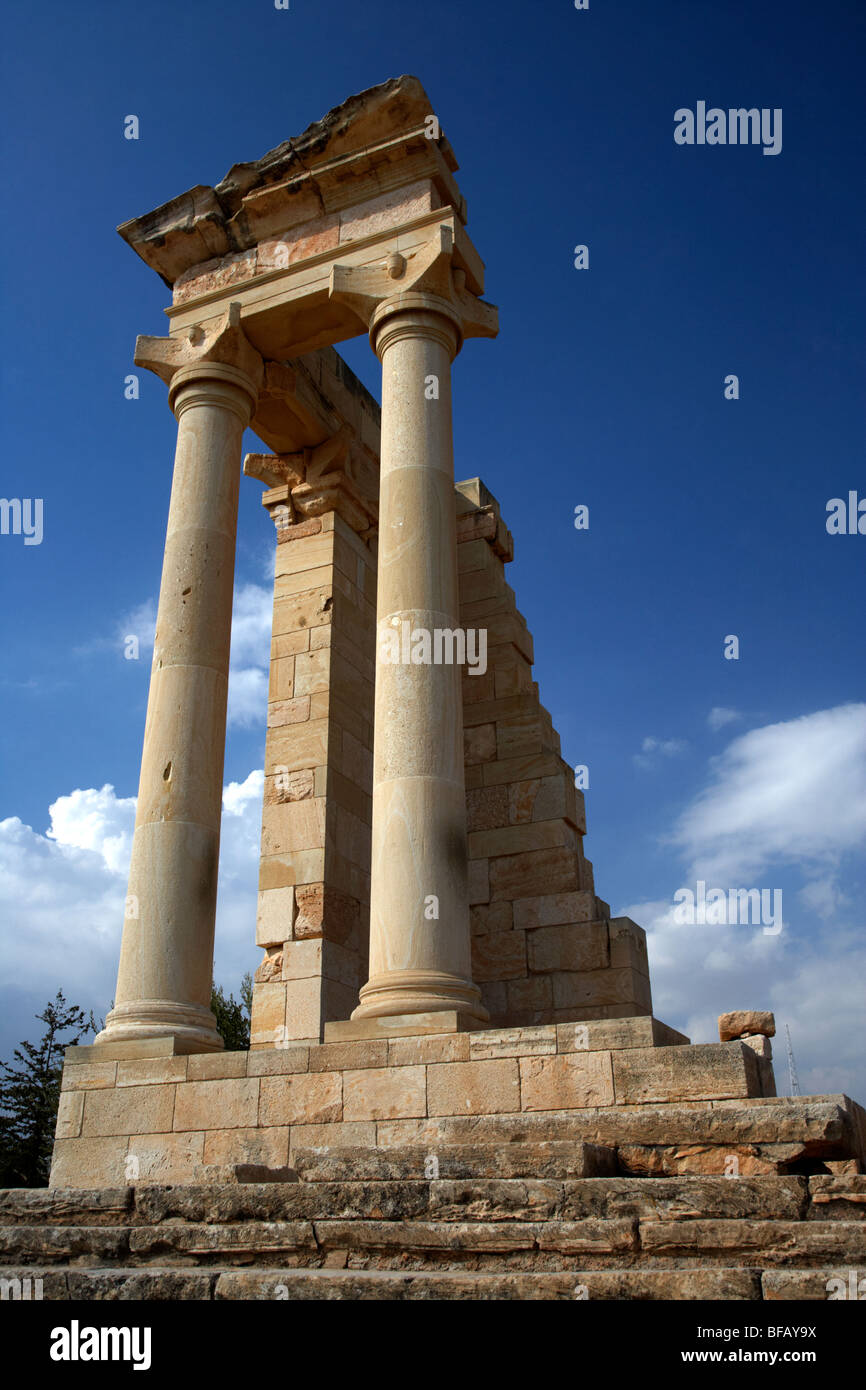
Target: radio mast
x,y
792,1066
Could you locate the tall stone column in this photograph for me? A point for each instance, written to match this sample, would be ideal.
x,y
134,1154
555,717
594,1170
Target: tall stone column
x,y
166,958
420,956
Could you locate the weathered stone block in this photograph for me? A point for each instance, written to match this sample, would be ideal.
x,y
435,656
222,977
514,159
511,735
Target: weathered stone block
x,y
571,1081
486,808
554,909
513,839
76,1162
267,1146
274,917
130,1110
278,1061
269,1015
628,945
513,1042
302,1099
534,873
70,1112
89,1076
473,1088
227,1104
589,989
499,956
156,1070
164,1158
293,826
816,1285
710,1071
479,882
406,1052
840,1198
490,917
600,1035
581,946
479,743
340,1134
304,1008
217,1066
734,1025
348,1056
530,1000
384,1093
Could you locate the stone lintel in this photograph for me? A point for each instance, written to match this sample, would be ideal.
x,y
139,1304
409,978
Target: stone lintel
x,y
287,312
132,1050
400,1026
305,402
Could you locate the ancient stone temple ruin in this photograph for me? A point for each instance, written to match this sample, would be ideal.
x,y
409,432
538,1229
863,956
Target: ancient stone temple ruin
x,y
456,1086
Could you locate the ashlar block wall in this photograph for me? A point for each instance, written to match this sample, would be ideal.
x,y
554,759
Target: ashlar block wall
x,y
545,949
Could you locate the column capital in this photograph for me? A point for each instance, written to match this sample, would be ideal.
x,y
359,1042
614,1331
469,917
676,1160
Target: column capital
x,y
314,481
222,357
421,288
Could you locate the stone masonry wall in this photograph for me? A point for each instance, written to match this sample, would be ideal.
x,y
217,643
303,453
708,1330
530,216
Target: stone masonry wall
x,y
544,949
627,1082
314,884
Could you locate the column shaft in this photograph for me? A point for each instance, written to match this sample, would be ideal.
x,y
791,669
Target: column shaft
x,y
166,961
420,958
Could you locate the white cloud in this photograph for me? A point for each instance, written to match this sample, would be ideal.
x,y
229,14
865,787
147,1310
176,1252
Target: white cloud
x,y
252,615
141,624
248,697
138,624
823,897
93,820
62,898
785,793
813,985
239,797
789,798
719,716
654,749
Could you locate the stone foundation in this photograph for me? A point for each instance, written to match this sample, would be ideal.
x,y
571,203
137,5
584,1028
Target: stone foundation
x,y
632,1086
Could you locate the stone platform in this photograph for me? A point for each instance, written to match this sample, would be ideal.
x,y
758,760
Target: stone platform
x,y
606,1160
639,1090
484,1222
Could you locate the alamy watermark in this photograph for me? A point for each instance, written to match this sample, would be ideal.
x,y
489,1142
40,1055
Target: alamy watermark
x,y
444,646
22,516
846,519
15,1289
736,126
731,907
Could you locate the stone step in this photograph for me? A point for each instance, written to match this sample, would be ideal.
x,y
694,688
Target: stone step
x,y
449,1238
822,1198
598,1242
763,1134
219,1282
556,1159
529,1221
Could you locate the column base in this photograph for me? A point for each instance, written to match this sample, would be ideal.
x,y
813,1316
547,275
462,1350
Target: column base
x,y
192,1026
420,992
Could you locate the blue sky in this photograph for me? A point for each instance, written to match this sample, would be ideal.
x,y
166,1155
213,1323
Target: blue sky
x,y
605,387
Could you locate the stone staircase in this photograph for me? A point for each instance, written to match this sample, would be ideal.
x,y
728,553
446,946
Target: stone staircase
x,y
529,1219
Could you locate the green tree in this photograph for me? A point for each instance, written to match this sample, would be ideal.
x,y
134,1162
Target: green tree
x,y
30,1094
233,1017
